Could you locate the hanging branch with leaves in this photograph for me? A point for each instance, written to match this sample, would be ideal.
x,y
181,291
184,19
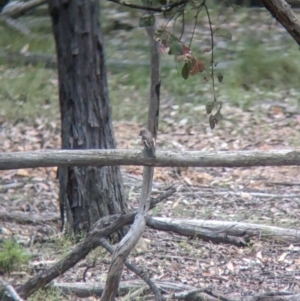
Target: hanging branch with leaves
x,y
172,45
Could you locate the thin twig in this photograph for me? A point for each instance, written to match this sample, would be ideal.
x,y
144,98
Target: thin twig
x,y
182,27
199,9
212,48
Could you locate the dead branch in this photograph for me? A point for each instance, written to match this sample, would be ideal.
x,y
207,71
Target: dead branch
x,y
164,8
153,111
135,232
283,13
114,157
242,230
212,193
197,232
177,291
105,244
275,296
130,240
195,295
29,58
85,290
28,218
19,8
11,291
14,24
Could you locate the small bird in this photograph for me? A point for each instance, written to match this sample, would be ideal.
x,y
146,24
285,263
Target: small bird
x,y
148,141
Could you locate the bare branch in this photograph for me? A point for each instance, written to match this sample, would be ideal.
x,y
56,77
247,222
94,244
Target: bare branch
x,y
213,228
113,157
11,291
135,232
130,240
154,102
84,290
14,24
105,244
30,218
192,231
212,50
163,8
283,13
19,8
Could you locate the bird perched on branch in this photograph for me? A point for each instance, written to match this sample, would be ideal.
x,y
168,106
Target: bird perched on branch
x,y
149,142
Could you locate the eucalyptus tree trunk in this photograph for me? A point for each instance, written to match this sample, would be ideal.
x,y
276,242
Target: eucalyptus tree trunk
x,y
86,193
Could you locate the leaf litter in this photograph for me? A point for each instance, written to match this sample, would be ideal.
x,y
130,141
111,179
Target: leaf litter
x,y
203,193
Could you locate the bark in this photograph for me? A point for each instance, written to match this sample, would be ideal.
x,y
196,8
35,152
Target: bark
x,y
15,160
231,231
283,13
88,193
139,272
19,8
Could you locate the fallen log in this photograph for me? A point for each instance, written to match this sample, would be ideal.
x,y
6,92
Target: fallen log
x,y
228,228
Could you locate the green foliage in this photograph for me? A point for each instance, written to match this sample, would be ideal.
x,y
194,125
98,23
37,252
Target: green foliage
x,y
12,40
266,69
12,256
185,71
147,20
49,294
223,33
28,91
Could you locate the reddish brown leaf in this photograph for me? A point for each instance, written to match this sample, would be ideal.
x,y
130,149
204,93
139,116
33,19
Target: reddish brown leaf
x,y
208,49
186,50
197,66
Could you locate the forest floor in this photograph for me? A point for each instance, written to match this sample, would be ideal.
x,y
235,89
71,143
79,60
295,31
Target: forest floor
x,y
230,270
270,122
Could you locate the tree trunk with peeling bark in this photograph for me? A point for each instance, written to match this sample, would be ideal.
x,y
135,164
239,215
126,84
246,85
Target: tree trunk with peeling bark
x,y
86,193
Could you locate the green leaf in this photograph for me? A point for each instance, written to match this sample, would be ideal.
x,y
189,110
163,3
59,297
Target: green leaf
x,y
173,38
175,48
147,20
223,33
158,34
209,107
218,117
185,71
212,121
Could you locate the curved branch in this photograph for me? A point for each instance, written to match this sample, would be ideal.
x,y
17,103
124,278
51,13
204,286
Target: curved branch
x,y
106,245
